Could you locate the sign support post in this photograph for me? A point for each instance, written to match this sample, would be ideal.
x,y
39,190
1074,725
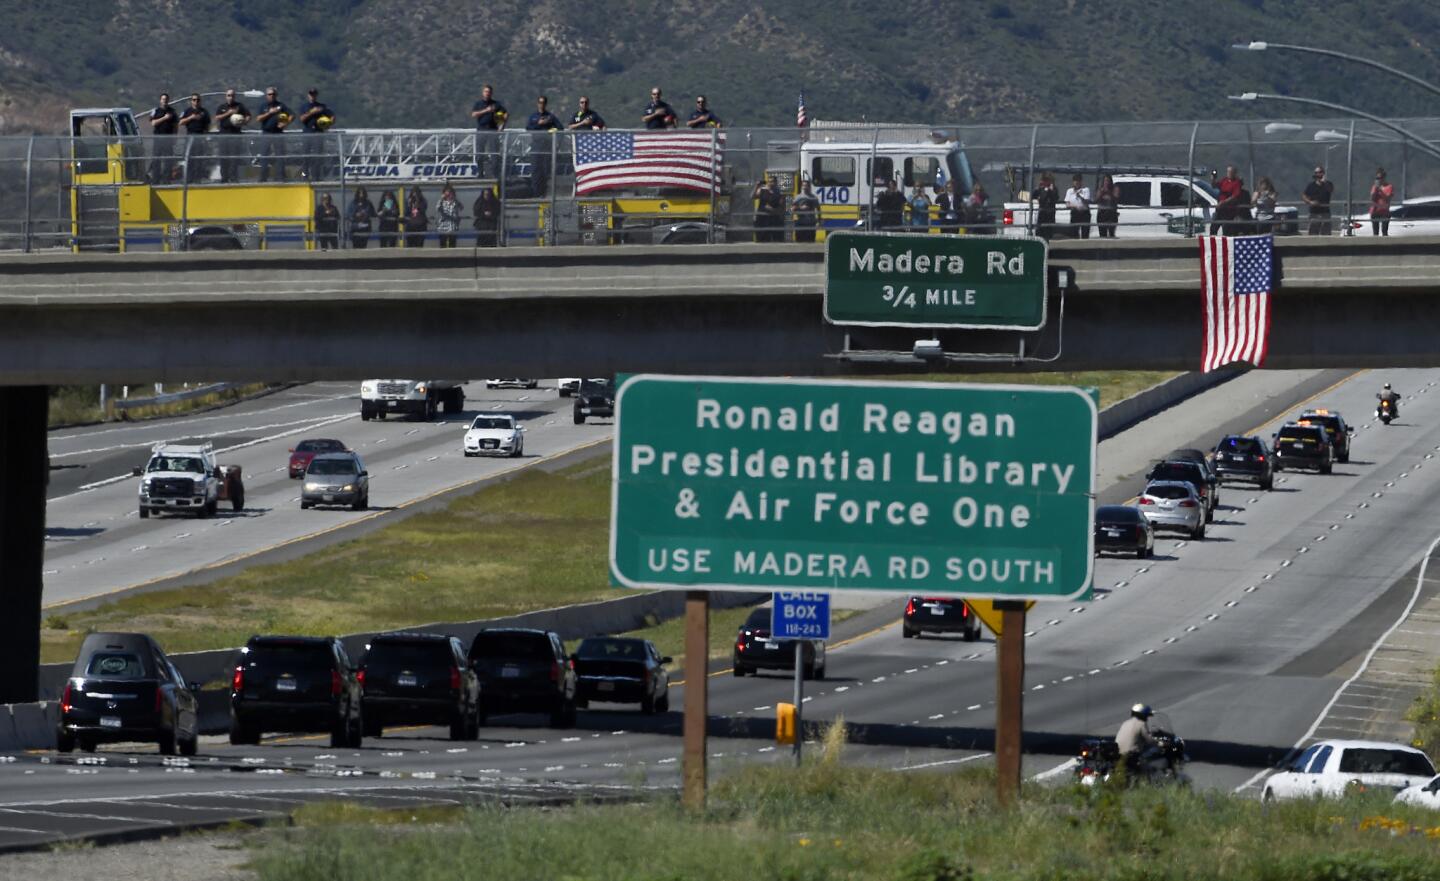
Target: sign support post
x,y
799,698
1009,697
697,656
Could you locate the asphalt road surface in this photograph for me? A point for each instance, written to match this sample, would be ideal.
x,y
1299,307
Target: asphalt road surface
x,y
96,545
1241,639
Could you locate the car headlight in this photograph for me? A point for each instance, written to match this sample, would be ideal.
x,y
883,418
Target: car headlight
x,y
349,487
145,484
367,388
420,388
312,486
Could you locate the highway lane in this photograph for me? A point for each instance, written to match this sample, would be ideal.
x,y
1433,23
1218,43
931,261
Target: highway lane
x,y
96,544
1241,639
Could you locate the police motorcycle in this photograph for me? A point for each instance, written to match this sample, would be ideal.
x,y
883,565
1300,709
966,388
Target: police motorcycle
x,y
1159,765
1386,409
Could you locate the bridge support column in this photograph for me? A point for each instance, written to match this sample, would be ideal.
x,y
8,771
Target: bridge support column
x,y
24,473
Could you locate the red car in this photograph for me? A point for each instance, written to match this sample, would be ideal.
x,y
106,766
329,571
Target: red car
x,y
303,452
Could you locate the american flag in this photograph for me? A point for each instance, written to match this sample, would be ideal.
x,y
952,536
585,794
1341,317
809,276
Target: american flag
x,y
672,159
801,120
1236,277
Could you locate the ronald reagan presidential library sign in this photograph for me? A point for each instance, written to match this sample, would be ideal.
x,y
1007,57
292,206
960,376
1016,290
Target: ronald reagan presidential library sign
x,y
804,484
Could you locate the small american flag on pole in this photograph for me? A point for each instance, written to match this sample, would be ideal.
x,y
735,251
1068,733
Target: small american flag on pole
x,y
1236,279
670,159
801,120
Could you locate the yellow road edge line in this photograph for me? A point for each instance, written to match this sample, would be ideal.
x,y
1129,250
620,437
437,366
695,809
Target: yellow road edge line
x,y
842,643
314,535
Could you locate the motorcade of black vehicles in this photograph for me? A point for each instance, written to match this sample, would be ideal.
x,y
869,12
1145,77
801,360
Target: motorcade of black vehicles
x,y
755,650
123,688
522,670
1335,428
295,684
1192,473
594,397
419,679
939,615
1303,446
621,670
1199,458
1123,529
1245,458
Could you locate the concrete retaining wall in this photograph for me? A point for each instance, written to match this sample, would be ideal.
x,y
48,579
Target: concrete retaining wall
x,y
1161,396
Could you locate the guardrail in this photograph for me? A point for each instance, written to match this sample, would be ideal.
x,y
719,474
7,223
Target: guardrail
x,y
123,404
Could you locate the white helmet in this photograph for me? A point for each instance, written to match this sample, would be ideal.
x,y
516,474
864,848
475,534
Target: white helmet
x,y
1141,711
1387,386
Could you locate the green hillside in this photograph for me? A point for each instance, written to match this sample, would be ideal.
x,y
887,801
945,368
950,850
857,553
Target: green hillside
x,y
421,62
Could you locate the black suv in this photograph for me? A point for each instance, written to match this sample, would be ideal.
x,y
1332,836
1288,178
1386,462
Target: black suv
x,y
594,397
1303,446
939,615
295,683
418,679
1199,458
1335,427
1238,457
755,650
524,671
1195,474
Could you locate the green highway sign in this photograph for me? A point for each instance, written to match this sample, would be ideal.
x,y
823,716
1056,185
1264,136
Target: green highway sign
x,y
920,280
804,484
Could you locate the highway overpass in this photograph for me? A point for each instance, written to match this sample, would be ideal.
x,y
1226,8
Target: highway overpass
x,y
745,309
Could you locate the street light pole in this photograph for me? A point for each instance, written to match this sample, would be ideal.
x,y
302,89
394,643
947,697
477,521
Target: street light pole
x,y
1261,46
1421,142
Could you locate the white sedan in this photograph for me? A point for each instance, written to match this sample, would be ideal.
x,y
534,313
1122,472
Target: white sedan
x,y
1424,795
494,435
1330,768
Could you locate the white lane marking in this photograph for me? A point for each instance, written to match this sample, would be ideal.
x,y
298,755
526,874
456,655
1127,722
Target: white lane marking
x,y
1364,664
937,716
842,688
412,431
1056,771
943,762
973,707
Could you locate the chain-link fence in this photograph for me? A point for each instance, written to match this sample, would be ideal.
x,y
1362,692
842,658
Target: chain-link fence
x,y
393,188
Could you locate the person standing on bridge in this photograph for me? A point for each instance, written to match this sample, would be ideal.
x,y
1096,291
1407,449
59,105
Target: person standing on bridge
x,y
1077,199
230,119
273,119
196,120
1380,195
889,213
658,114
702,116
769,211
919,206
316,117
586,119
978,216
388,215
951,207
416,220
362,216
163,123
489,115
1317,196
327,224
447,219
544,123
1107,207
487,219
1224,215
1047,197
1265,199
806,209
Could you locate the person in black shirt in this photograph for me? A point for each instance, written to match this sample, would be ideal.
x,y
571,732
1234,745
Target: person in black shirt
x,y
658,114
389,216
230,119
274,116
313,146
327,224
586,119
542,120
489,116
362,217
806,209
702,116
769,211
196,120
1317,195
890,207
952,208
1046,198
163,123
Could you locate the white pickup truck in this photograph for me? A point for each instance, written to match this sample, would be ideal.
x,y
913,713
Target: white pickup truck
x,y
1151,206
419,398
184,477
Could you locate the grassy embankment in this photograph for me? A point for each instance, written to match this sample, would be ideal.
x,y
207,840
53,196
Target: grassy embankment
x,y
829,821
534,542
1425,713
78,404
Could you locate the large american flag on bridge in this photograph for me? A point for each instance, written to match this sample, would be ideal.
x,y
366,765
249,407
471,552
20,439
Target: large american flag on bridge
x,y
670,159
1236,280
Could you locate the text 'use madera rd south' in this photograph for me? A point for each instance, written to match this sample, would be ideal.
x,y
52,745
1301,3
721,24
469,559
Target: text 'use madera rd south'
x,y
968,490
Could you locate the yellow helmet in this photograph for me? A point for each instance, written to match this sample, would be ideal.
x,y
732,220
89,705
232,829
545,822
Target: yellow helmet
x,y
285,118
324,121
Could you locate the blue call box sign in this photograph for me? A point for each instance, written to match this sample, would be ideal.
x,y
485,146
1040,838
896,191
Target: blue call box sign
x,y
800,614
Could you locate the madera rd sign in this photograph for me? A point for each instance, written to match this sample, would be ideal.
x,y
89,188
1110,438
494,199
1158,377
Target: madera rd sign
x,y
795,484
918,280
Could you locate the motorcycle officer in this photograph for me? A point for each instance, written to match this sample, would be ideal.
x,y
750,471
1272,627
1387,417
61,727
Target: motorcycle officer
x,y
1388,394
1134,738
